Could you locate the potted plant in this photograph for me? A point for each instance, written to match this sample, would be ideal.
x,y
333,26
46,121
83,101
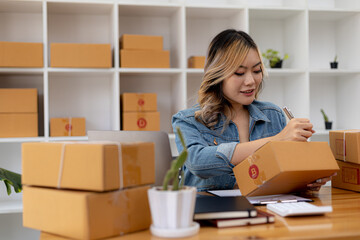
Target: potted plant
x,y
172,206
274,58
328,124
334,64
11,179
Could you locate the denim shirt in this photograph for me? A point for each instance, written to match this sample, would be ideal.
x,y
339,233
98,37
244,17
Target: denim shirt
x,y
210,151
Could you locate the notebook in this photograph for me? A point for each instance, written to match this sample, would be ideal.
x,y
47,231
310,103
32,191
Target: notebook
x,y
210,207
261,218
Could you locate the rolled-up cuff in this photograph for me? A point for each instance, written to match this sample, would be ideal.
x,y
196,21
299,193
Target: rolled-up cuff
x,y
226,151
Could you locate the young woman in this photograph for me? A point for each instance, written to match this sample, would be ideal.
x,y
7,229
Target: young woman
x,y
229,124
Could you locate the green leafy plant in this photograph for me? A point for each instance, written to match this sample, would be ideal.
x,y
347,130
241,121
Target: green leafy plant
x,y
335,59
274,57
11,179
326,118
174,172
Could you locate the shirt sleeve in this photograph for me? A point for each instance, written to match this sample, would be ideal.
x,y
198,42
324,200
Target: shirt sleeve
x,y
203,160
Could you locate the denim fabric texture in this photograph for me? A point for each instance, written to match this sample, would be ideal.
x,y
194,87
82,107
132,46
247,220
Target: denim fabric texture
x,y
208,165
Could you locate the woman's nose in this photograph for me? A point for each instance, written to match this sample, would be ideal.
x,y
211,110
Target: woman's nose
x,y
249,79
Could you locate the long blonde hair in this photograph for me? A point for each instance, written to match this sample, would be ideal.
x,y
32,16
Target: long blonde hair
x,y
225,54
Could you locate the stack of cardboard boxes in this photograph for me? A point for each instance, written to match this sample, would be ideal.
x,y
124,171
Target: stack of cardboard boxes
x,y
345,145
18,112
139,112
143,51
67,127
87,190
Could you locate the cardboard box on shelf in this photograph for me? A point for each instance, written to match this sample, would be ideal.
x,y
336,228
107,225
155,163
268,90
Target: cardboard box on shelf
x,y
141,121
284,167
90,166
141,42
18,100
348,177
347,150
21,54
80,55
139,102
196,62
144,59
16,125
67,127
86,215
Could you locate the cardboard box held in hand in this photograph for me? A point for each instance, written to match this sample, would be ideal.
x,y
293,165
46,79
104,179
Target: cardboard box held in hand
x,y
284,167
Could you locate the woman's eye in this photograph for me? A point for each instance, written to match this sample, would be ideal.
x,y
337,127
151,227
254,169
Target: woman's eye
x,y
258,71
239,74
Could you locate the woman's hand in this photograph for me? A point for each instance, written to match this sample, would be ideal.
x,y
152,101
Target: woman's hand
x,y
315,186
298,129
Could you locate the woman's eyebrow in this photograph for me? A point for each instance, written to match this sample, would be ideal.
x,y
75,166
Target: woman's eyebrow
x,y
241,66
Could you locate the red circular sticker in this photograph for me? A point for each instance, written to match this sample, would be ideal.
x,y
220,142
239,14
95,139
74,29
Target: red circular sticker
x,y
141,123
68,127
141,102
253,171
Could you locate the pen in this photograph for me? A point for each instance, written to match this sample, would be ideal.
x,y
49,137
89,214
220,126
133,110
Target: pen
x,y
288,113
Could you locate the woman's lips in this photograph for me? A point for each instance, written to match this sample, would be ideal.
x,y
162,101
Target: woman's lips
x,y
248,92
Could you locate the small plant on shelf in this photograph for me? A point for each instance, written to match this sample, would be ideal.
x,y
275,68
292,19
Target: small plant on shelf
x,y
275,61
328,124
11,179
334,64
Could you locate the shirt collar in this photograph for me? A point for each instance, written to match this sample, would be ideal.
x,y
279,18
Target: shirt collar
x,y
255,113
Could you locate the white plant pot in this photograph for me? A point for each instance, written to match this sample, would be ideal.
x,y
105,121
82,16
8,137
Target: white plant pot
x,y
172,212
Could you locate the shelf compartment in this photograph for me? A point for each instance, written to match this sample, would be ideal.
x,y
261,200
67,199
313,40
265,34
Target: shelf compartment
x,y
338,96
331,33
291,91
80,22
141,19
29,79
84,94
281,30
193,82
24,21
169,89
204,23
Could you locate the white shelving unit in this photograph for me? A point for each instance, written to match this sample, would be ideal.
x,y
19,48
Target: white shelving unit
x,y
312,32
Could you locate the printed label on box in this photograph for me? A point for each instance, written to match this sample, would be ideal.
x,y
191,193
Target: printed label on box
x,y
141,102
253,171
350,175
141,123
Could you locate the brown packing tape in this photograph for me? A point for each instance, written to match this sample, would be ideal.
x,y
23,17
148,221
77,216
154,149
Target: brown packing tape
x,y
132,169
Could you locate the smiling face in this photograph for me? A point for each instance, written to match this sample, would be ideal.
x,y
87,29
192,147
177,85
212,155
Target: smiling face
x,y
241,87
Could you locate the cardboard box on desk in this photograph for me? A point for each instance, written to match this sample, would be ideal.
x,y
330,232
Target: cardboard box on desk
x,y
139,102
144,42
141,121
21,54
144,59
284,167
196,62
347,150
80,55
93,166
67,127
348,177
86,215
